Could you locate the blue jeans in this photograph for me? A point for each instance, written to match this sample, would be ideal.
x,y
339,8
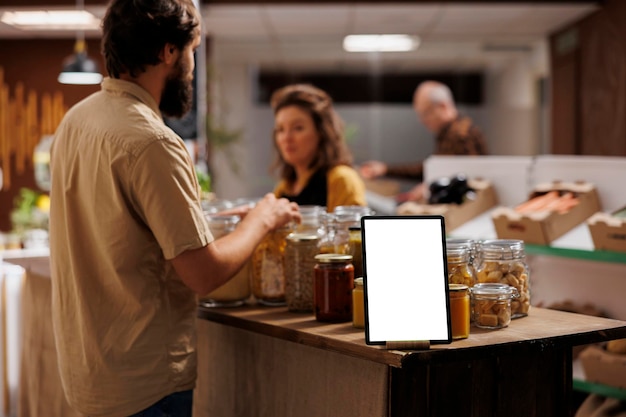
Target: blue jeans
x,y
174,405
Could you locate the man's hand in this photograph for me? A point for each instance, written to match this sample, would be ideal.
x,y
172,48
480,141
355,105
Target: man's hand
x,y
372,169
275,212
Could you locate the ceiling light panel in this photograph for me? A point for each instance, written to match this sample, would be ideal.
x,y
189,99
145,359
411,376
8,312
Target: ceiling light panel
x,y
51,20
380,43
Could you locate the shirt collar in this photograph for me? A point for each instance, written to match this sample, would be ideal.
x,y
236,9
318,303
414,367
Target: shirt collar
x,y
117,86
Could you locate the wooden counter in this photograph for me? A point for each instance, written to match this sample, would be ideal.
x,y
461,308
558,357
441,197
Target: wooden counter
x,y
259,361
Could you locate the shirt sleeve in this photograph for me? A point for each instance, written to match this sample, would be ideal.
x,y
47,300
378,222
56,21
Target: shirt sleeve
x,y
167,195
345,188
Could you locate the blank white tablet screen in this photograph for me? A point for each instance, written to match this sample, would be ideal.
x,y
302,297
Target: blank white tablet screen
x,y
405,279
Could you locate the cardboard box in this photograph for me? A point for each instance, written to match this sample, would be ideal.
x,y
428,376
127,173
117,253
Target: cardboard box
x,y
604,367
455,215
608,232
543,227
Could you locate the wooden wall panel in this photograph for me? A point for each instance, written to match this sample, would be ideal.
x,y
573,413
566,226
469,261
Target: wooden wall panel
x,y
589,84
603,81
36,63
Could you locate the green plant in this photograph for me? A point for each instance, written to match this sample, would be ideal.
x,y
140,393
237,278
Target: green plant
x,y
30,211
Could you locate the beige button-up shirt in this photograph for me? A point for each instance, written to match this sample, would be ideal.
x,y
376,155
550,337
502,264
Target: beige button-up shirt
x,y
124,200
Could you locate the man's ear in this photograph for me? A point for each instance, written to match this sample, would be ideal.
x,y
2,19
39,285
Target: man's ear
x,y
169,54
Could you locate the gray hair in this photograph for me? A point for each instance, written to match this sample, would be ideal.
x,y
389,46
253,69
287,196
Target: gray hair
x,y
440,93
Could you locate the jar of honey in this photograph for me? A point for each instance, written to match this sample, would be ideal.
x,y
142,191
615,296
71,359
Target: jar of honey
x,y
459,310
491,305
333,285
358,304
503,261
300,255
235,291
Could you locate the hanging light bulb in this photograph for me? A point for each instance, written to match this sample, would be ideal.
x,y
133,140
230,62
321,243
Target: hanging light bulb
x,y
79,68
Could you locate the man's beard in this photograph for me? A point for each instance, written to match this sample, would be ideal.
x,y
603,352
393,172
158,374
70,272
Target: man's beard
x,y
177,97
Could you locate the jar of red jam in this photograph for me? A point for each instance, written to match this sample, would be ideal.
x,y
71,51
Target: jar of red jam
x,y
332,290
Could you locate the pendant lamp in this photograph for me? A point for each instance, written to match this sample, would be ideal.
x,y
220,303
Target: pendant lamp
x,y
79,68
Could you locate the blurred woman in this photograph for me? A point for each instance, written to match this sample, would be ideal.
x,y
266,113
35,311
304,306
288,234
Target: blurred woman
x,y
313,159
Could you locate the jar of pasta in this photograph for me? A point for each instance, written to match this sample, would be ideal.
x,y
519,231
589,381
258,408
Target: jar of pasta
x,y
332,290
459,310
300,255
460,267
491,305
267,265
234,292
503,261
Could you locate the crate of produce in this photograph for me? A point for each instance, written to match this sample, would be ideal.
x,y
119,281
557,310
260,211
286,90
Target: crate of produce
x,y
605,364
551,210
608,230
484,198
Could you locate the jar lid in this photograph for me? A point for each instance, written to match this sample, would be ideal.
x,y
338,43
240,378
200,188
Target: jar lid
x,y
327,258
457,287
358,282
494,290
301,237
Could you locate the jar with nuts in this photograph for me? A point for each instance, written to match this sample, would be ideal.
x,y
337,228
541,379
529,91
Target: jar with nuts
x,y
503,261
460,267
491,305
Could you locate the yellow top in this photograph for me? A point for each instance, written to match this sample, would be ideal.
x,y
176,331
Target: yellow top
x,y
344,188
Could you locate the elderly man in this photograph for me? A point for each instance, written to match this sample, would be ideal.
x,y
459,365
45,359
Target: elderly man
x,y
455,135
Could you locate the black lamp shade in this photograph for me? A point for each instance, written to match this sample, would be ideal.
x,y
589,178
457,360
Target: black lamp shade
x,y
80,69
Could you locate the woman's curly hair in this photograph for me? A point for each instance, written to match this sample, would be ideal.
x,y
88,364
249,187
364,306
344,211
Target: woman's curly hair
x,y
332,149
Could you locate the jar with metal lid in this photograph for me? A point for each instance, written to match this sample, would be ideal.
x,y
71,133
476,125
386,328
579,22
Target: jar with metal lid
x,y
267,265
503,261
300,255
491,305
460,267
459,310
473,246
234,292
348,234
332,290
358,304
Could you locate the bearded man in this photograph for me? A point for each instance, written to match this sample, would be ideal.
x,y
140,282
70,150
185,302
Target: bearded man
x,y
130,248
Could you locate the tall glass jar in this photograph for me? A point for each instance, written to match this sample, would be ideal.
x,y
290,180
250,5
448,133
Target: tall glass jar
x,y
503,261
473,246
234,292
358,304
327,233
333,285
460,267
347,236
300,255
268,276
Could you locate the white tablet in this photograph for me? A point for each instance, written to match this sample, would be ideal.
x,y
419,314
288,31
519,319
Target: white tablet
x,y
405,279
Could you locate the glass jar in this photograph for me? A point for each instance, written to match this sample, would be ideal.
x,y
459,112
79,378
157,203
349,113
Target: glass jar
x,y
327,233
234,292
311,219
215,206
491,305
300,255
358,304
460,267
347,236
268,277
503,261
333,285
459,310
473,246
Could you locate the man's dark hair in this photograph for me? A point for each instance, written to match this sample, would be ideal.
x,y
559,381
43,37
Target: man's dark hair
x,y
134,32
